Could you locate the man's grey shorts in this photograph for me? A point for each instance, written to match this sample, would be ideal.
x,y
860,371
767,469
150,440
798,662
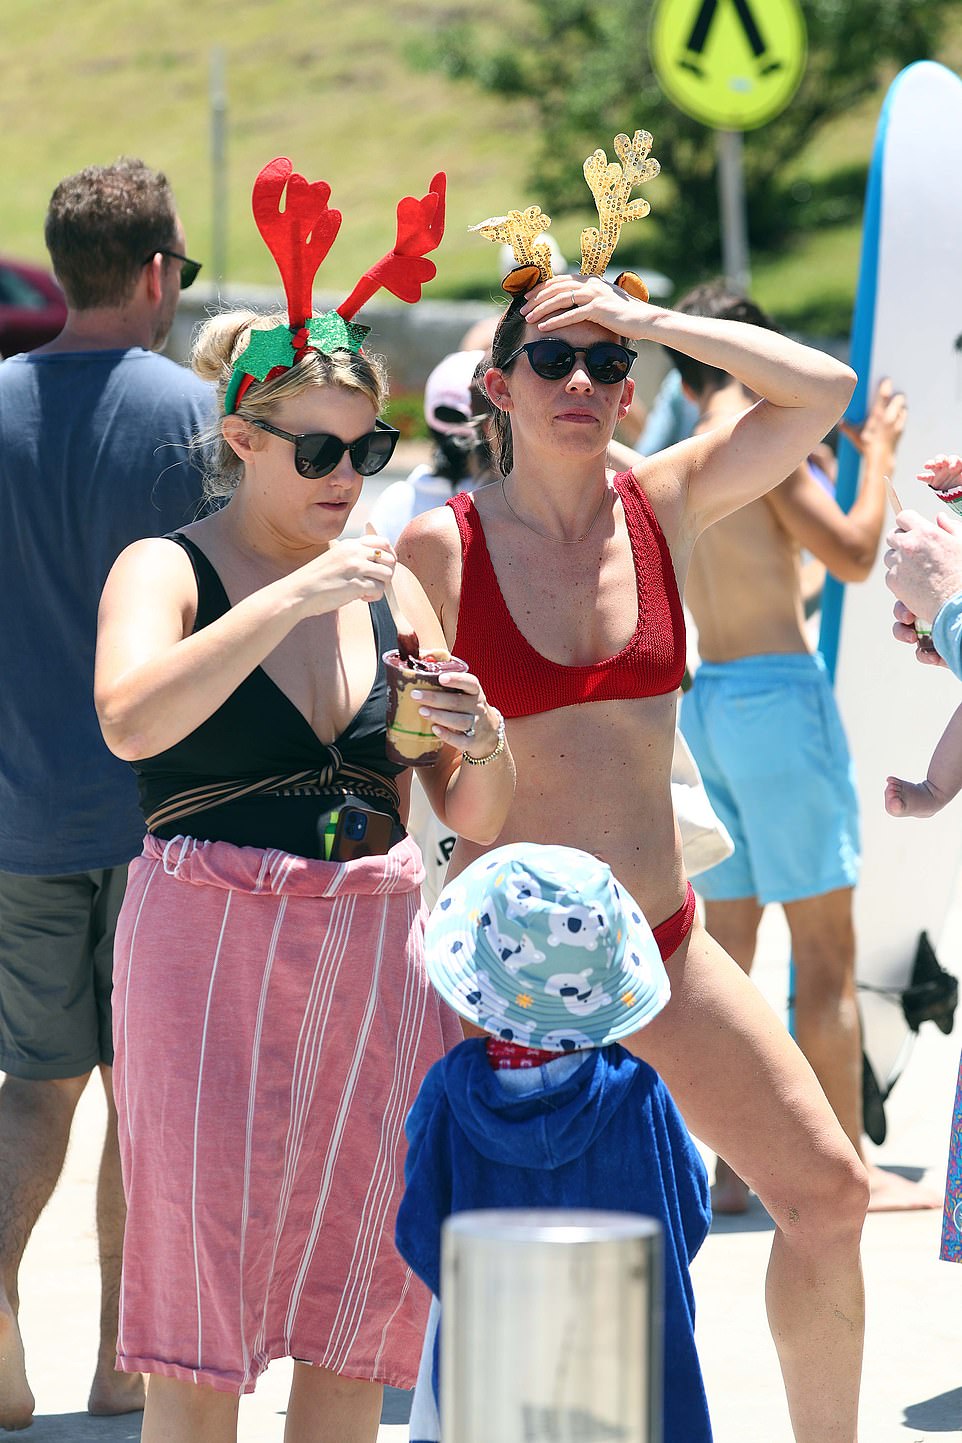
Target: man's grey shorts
x,y
56,971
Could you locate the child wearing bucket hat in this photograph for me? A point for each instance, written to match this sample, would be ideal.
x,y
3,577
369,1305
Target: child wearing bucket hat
x,y
541,948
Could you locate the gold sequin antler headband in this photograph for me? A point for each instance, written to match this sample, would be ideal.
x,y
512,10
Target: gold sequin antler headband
x,y
611,185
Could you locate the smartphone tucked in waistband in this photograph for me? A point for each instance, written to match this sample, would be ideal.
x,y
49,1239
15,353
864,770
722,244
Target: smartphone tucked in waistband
x,y
353,830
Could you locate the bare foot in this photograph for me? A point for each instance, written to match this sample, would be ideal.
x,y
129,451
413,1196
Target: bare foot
x,y
114,1392
910,799
16,1399
893,1193
729,1195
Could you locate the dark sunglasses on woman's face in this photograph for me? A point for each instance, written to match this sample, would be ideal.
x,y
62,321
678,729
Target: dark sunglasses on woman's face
x,y
189,270
553,359
317,453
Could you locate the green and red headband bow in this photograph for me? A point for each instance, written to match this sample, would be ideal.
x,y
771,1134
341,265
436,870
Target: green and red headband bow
x,y
299,237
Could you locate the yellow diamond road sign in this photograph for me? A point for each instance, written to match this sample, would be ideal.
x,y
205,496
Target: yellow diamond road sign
x,y
732,64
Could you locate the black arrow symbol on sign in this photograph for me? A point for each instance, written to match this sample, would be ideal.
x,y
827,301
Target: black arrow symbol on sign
x,y
698,38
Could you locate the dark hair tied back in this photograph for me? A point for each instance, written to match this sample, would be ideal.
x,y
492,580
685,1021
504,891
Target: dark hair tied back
x,y
507,338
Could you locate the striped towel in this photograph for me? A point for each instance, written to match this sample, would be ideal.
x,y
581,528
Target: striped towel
x,y
272,1023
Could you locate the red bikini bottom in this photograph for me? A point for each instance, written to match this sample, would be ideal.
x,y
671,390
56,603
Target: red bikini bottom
x,y
672,932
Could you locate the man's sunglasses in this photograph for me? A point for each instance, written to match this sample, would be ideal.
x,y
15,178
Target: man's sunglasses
x,y
552,359
189,269
317,454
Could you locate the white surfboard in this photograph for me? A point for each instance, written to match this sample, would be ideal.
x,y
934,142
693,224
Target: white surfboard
x,y
907,325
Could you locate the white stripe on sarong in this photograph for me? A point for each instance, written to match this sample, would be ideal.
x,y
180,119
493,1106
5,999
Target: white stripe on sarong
x,y
249,1136
383,1181
408,1280
327,970
127,1113
200,1079
337,1132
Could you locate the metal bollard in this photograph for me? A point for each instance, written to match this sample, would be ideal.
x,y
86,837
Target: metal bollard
x,y
551,1327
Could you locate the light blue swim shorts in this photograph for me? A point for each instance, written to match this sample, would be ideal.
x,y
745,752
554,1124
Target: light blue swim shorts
x,y
767,737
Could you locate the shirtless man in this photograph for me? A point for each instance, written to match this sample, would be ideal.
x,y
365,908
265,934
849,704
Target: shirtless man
x,y
762,723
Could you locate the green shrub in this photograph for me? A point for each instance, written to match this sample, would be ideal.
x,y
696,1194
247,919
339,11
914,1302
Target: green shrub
x,y
406,411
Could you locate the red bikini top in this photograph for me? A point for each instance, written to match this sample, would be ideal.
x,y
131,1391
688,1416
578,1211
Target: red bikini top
x,y
518,680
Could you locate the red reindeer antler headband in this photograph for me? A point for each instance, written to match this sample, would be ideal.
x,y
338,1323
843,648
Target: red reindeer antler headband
x,y
299,237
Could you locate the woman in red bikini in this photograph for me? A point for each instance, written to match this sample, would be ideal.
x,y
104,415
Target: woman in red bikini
x,y
560,588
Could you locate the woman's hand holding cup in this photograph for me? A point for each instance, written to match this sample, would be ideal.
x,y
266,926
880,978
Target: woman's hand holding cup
x,y
459,715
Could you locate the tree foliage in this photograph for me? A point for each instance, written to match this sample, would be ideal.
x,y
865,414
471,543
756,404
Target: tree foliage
x,y
584,67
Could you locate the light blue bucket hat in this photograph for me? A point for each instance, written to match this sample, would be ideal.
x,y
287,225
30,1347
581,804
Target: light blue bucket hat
x,y
541,946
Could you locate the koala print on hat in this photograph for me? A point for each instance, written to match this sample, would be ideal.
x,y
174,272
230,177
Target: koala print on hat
x,y
513,952
576,992
508,943
576,925
475,992
522,894
565,1039
519,1032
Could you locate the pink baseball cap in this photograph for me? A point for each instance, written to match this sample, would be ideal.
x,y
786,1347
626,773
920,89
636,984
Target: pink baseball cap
x,y
448,404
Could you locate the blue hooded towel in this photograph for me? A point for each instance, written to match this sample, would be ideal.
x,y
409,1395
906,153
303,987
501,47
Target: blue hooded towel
x,y
594,1130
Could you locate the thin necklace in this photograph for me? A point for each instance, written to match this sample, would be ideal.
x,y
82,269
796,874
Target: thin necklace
x,y
558,540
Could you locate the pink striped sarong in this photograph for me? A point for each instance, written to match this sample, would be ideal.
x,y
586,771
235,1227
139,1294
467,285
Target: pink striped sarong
x,y
272,1022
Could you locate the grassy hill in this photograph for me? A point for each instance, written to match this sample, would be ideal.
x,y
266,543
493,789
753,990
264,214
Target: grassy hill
x,y
325,83
330,83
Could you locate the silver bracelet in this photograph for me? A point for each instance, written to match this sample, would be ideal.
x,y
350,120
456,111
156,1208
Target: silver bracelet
x,y
483,761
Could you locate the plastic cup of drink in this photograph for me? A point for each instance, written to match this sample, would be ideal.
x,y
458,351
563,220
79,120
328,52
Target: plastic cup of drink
x,y
410,741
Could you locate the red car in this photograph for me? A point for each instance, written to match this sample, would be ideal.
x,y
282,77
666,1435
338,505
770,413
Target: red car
x,y
32,307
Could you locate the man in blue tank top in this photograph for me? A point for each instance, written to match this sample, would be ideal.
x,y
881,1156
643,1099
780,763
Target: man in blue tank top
x,y
94,430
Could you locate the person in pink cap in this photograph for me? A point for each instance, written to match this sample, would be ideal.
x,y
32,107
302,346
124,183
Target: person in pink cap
x,y
456,410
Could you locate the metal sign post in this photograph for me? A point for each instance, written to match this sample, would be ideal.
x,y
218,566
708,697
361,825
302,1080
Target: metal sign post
x,y
551,1327
218,164
732,210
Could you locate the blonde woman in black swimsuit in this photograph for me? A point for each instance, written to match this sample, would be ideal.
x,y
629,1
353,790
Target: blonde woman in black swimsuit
x,y
273,1018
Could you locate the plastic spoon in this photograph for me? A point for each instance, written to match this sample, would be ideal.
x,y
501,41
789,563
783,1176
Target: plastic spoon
x,y
409,648
893,495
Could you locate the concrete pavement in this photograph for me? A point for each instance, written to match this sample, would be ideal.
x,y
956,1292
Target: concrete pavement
x,y
912,1380
913,1367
